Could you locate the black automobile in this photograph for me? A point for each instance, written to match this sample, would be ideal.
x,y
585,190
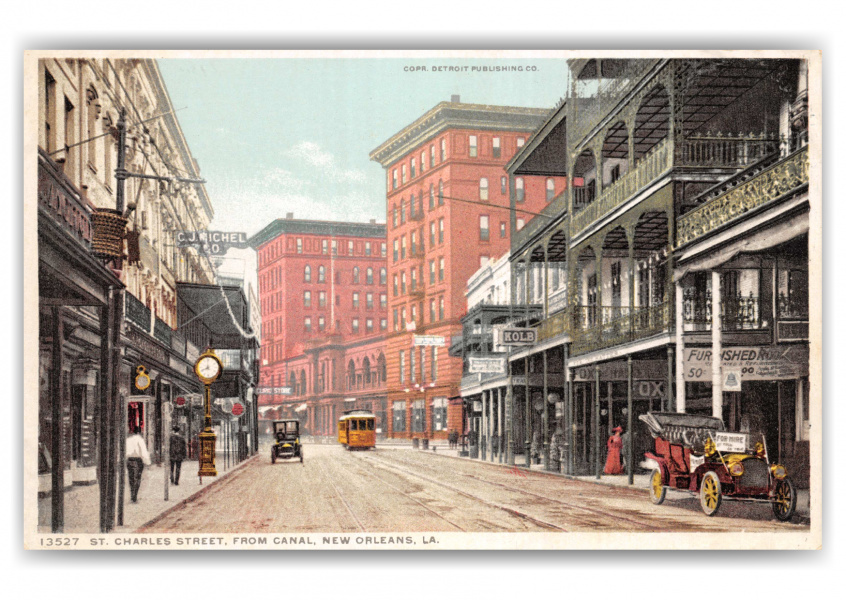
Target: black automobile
x,y
286,440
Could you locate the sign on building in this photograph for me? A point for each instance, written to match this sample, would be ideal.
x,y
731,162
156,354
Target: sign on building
x,y
519,336
752,363
487,364
274,391
429,340
211,242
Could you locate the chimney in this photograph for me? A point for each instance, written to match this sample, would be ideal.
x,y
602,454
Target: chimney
x,y
456,98
289,216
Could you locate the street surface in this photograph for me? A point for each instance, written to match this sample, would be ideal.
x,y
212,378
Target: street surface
x,y
403,490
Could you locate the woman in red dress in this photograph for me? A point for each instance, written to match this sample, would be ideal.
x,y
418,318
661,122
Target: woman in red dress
x,y
613,465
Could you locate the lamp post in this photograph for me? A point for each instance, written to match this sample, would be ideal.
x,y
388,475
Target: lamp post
x,y
208,368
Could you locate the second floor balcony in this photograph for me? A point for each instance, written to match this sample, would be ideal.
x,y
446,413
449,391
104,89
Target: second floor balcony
x,y
597,327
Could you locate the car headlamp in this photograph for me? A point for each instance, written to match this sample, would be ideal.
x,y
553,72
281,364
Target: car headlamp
x,y
778,471
736,469
710,447
759,449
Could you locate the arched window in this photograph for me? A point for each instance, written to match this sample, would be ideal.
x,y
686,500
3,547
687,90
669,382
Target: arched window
x,y
321,274
351,375
383,276
394,213
369,276
483,188
412,207
307,274
441,192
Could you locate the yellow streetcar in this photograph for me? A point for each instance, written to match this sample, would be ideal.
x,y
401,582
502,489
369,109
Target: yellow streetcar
x,y
357,429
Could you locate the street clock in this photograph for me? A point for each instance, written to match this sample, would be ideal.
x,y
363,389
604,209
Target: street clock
x,y
208,367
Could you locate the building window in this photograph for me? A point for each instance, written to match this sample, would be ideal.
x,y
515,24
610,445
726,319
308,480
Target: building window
x,y
398,416
411,357
368,325
355,275
413,168
383,276
366,248
520,142
497,150
520,223
413,279
439,414
521,192
413,243
502,229
404,175
418,416
369,276
396,250
383,301
434,363
321,299
440,231
483,188
355,299
441,308
383,324
402,282
432,234
299,245
306,298
441,269
321,323
402,254
422,162
431,196
307,323
307,274
402,366
402,317
474,148
384,250
396,319
431,272
394,179
432,155
484,228
503,184
412,207
441,192
355,325
396,283
550,189
443,149
321,274
325,246
402,212
369,300
350,248
432,310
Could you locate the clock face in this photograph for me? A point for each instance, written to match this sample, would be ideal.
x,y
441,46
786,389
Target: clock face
x,y
208,367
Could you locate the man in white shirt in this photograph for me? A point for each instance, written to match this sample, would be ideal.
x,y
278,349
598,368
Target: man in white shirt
x,y
136,457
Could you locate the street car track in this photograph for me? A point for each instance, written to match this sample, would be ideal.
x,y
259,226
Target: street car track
x,y
573,507
509,510
343,500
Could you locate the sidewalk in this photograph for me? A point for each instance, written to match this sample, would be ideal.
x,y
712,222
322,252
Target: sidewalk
x,y
82,503
641,480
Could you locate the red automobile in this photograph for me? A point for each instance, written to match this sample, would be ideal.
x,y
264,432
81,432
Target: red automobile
x,y
694,453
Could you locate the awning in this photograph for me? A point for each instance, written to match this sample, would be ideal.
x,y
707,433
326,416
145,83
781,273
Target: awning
x,y
301,408
222,309
756,242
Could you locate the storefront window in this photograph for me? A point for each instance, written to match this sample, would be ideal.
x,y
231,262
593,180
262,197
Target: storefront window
x,y
439,414
418,416
399,415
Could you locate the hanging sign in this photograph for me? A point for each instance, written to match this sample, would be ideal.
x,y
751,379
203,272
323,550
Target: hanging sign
x,y
488,364
519,336
237,409
731,381
211,242
274,391
180,401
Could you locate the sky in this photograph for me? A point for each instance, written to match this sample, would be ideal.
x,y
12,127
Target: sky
x,y
282,135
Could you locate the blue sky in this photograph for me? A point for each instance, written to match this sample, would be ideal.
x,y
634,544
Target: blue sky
x,y
294,135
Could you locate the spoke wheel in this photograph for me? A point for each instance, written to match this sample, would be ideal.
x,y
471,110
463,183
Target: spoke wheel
x,y
657,491
710,494
785,499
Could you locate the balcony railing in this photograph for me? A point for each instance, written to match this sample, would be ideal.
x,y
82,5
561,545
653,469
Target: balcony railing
x,y
780,179
724,150
137,313
792,307
557,324
740,313
597,327
162,331
653,165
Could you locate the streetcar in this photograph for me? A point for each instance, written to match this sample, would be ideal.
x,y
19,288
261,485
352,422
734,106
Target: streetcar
x,y
357,430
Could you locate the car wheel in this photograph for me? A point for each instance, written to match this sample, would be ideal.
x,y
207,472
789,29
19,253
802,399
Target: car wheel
x,y
710,494
657,491
785,499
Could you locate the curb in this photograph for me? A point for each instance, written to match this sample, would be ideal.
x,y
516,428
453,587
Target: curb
x,y
195,495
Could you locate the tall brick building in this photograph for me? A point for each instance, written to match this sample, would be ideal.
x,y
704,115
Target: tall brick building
x,y
447,212
323,296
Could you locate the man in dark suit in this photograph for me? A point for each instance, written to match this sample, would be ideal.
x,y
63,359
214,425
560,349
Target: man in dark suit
x,y
177,454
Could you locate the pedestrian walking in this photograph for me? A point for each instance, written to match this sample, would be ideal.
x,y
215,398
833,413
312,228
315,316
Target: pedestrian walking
x,y
613,466
177,454
136,457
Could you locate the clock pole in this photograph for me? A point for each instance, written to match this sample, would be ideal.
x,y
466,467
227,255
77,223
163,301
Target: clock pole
x,y
208,368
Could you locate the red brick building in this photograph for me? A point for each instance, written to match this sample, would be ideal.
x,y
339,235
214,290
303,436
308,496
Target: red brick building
x,y
323,296
447,205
